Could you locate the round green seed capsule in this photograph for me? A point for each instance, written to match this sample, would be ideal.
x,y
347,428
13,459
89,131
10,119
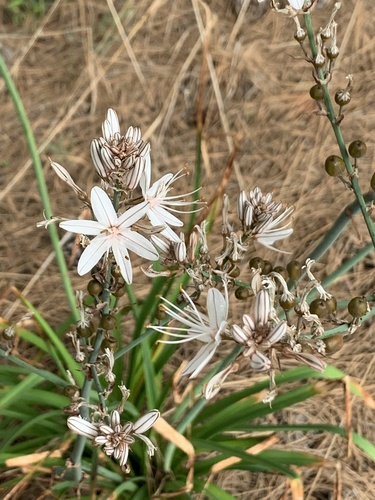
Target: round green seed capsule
x,y
8,334
267,267
331,304
281,270
342,97
334,166
110,343
332,53
94,287
242,293
300,35
334,343
319,307
372,182
256,263
108,322
357,149
317,92
357,307
115,271
120,292
235,272
70,391
287,305
294,269
86,331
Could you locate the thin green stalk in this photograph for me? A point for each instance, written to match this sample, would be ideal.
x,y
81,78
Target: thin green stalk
x,y
29,136
338,134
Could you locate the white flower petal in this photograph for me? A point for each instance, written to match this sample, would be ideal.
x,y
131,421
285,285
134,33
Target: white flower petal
x,y
215,383
217,308
102,207
200,360
146,421
132,215
92,254
260,362
160,216
297,4
88,227
248,322
277,333
239,335
123,261
82,427
138,244
262,307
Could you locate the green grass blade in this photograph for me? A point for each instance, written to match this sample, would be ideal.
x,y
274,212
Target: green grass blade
x,y
39,174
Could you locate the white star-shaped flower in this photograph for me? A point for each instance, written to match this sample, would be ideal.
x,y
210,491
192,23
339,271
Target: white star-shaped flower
x,y
257,332
112,233
296,4
116,438
159,206
205,328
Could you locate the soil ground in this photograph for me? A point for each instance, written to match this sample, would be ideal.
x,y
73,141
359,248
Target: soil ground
x,y
144,59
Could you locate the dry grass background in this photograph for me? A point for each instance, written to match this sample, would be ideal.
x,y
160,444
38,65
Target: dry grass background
x,y
144,59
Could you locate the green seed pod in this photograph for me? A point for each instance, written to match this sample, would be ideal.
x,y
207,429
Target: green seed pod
x,y
317,92
342,97
281,270
94,287
319,307
116,272
70,390
334,344
8,334
334,166
108,322
372,182
120,288
357,307
297,310
287,305
267,267
242,293
319,61
256,263
357,149
331,304
300,35
235,272
294,269
332,53
86,331
109,343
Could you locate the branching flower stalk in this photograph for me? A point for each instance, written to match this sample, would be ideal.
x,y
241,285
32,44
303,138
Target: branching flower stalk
x,y
335,123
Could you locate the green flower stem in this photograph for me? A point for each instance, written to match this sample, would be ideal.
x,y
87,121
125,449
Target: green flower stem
x,y
79,445
339,137
29,136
